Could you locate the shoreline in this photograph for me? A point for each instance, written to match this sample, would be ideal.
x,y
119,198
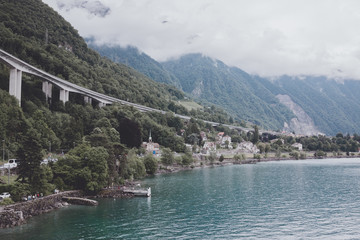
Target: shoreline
x,y
177,168
17,214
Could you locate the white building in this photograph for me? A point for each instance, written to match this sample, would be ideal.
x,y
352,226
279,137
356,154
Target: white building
x,y
297,146
247,147
208,147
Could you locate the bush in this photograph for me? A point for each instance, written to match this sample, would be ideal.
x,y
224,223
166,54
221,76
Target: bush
x,y
6,188
151,164
187,159
237,158
6,201
302,155
319,154
167,156
257,156
295,155
20,190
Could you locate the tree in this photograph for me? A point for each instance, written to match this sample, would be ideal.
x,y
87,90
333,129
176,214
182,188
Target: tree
x,y
221,158
96,160
134,166
261,147
255,138
267,148
278,153
20,190
29,153
167,156
237,158
192,138
151,164
84,168
187,158
212,157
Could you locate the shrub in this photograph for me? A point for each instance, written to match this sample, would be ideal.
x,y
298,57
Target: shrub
x,y
6,201
187,159
151,164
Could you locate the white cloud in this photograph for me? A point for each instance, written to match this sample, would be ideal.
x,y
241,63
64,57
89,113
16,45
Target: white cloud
x,y
266,37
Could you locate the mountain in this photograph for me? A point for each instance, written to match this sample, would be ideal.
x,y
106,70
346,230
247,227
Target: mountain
x,y
131,56
231,88
305,105
333,106
318,105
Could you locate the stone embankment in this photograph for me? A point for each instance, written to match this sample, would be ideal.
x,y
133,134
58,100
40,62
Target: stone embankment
x,y
114,193
17,214
80,201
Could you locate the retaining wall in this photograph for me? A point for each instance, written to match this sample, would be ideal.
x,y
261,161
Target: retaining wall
x,y
17,214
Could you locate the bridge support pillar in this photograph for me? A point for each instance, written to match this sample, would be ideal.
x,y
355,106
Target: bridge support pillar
x,y
15,83
87,99
102,104
47,89
64,95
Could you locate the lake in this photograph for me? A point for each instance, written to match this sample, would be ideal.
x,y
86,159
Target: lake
x,y
307,199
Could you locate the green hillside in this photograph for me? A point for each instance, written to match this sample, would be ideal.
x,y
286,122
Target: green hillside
x,y
332,105
35,33
131,56
234,90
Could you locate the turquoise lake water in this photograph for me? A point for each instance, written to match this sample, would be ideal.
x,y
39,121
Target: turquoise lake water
x,y
311,199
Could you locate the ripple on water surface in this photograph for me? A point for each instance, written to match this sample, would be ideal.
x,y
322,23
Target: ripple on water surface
x,y
312,199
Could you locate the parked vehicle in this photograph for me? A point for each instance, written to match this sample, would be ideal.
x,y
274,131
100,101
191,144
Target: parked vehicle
x,y
17,161
12,163
5,195
48,160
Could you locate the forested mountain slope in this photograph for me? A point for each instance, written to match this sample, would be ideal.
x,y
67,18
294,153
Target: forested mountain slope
x,y
35,33
328,106
131,56
231,88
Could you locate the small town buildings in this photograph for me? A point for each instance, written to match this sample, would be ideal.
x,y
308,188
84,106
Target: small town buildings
x,y
247,147
297,146
208,147
203,136
219,136
151,147
226,140
223,141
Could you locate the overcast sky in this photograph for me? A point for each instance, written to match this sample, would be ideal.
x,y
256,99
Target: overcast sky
x,y
264,37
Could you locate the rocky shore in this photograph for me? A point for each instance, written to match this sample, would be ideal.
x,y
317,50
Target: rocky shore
x,y
17,214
